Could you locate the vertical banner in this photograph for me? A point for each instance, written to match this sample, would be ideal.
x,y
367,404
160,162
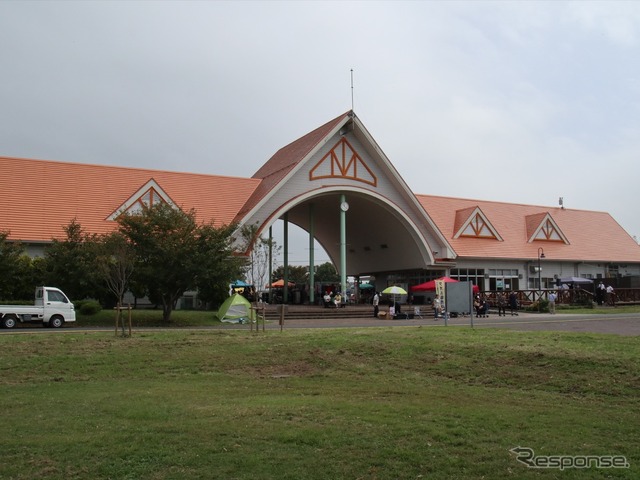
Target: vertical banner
x,y
441,293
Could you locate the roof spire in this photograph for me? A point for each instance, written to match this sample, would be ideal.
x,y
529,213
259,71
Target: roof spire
x,y
352,89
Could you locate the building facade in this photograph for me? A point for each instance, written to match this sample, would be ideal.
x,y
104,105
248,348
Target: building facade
x,y
336,184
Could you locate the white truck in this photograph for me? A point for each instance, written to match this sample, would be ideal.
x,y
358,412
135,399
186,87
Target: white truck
x,y
51,307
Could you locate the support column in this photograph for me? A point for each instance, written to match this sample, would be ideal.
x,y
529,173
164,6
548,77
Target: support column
x,y
270,264
343,245
285,288
312,268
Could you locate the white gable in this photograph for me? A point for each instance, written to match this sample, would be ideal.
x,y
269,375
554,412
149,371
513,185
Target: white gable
x,y
149,194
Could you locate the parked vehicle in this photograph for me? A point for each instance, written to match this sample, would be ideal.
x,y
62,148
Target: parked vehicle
x,y
51,307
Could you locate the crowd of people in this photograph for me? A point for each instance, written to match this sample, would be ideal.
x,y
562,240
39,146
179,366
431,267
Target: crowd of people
x,y
481,303
605,295
332,300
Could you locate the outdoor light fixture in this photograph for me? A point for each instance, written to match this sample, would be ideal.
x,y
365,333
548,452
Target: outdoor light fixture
x,y
540,256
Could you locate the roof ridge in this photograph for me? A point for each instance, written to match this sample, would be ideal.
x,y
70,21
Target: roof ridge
x,y
122,167
504,202
267,169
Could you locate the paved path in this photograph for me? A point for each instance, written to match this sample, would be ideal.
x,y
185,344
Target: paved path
x,y
617,324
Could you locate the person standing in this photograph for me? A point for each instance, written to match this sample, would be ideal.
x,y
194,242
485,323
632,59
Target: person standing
x,y
437,306
513,303
610,296
376,302
502,304
552,303
600,293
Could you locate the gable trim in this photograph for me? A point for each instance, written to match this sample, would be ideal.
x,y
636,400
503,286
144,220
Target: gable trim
x,y
547,230
477,225
156,194
342,161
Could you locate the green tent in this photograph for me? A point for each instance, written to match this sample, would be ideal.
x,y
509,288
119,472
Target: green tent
x,y
236,309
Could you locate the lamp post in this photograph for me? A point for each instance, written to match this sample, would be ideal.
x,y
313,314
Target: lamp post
x,y
540,256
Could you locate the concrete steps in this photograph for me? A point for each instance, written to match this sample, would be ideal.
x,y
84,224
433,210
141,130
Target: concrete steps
x,y
310,312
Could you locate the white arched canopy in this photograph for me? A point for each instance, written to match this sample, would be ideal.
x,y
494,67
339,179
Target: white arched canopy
x,y
379,237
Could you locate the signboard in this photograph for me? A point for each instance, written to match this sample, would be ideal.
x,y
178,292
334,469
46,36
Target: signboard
x,y
460,298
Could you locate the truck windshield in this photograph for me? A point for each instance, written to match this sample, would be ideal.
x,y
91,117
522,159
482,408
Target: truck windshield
x,y
56,296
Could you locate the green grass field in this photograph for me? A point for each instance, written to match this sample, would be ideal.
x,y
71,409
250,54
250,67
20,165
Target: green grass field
x,y
372,403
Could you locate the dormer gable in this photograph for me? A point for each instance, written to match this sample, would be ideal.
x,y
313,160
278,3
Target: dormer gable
x,y
472,222
542,226
148,195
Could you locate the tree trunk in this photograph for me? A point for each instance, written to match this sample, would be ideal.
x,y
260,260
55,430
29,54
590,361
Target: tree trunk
x,y
167,308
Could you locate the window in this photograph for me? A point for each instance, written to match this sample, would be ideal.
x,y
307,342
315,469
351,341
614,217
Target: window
x,y
473,275
54,296
504,279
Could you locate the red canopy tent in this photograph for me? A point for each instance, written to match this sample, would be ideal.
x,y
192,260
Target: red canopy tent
x,y
431,285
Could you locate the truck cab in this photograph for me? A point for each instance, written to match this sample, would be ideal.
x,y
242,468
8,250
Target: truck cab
x,y
56,306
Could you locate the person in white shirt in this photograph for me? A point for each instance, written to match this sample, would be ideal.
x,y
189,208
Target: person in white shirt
x,y
552,303
327,299
610,296
437,307
376,302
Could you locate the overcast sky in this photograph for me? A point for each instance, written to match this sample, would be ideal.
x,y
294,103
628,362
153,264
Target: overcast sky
x,y
521,102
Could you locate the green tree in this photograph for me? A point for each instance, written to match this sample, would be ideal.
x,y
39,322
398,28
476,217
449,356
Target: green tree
x,y
27,278
326,272
70,264
14,269
174,254
297,274
116,260
217,264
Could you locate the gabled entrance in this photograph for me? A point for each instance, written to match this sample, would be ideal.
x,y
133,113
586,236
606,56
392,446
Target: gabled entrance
x,y
337,184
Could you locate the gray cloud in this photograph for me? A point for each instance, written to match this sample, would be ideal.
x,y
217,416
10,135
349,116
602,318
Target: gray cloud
x,y
509,101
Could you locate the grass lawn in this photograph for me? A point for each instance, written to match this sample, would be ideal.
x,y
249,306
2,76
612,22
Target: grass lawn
x,y
149,318
371,403
599,310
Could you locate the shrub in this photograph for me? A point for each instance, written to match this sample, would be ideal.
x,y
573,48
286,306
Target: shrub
x,y
583,301
89,307
541,305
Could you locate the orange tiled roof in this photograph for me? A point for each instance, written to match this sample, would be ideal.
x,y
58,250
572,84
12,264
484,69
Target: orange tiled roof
x,y
592,236
46,193
43,196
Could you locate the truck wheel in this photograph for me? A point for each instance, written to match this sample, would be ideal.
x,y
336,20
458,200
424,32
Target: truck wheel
x,y
56,321
9,321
